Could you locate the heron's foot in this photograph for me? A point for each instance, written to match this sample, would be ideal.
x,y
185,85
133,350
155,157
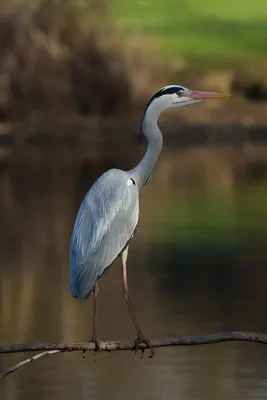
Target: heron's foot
x,y
97,349
96,341
141,339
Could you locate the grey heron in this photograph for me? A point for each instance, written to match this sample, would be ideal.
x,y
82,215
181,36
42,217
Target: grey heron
x,y
108,216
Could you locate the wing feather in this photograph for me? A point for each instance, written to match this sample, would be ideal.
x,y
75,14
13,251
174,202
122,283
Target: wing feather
x,y
104,225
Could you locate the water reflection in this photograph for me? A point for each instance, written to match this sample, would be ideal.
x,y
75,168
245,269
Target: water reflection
x,y
196,265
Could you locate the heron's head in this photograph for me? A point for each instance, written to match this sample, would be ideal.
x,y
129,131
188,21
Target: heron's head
x,y
173,96
178,96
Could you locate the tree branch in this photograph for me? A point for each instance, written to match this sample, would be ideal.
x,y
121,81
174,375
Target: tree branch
x,y
30,359
55,348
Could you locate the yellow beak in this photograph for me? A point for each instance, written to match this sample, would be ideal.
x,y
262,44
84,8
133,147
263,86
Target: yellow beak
x,y
195,95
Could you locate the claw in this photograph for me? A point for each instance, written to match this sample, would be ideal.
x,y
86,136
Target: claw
x,y
96,341
141,340
83,354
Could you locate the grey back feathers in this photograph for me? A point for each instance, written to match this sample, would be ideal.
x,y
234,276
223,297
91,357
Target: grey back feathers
x,y
104,225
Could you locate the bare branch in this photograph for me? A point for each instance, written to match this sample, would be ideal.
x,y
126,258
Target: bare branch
x,y
55,348
30,359
116,345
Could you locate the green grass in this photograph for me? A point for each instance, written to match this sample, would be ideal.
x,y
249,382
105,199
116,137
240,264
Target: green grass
x,y
233,31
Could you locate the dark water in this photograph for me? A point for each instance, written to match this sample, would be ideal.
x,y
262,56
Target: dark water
x,y
197,265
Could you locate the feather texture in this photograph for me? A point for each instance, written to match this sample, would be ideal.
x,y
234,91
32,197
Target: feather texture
x,y
104,225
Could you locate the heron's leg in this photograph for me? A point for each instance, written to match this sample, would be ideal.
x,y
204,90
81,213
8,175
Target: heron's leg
x,y
94,336
140,336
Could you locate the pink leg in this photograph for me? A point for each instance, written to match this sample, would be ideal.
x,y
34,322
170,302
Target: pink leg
x,y
140,336
94,336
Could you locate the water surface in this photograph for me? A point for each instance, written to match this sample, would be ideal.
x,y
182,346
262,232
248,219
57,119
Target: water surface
x,y
197,265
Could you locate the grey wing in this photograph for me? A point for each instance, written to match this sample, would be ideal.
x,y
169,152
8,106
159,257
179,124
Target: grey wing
x,y
104,225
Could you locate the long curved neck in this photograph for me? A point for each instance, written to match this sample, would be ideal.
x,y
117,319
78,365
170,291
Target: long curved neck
x,y
149,127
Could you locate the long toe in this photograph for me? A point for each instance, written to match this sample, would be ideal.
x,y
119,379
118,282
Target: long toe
x,y
141,340
97,349
96,342
149,344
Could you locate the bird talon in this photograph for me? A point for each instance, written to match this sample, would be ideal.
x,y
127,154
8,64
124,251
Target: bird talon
x,y
141,340
142,354
149,344
96,342
136,345
83,354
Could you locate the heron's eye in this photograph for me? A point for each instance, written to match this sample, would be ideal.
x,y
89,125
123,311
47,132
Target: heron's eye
x,y
180,93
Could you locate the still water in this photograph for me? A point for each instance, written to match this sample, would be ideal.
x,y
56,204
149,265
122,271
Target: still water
x,y
197,265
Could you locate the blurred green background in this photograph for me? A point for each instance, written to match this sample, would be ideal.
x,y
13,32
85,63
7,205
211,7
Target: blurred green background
x,y
222,32
100,58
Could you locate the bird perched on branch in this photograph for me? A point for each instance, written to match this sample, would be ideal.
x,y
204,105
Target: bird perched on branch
x,y
108,215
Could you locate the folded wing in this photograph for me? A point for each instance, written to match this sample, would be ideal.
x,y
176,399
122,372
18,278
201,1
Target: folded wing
x,y
104,225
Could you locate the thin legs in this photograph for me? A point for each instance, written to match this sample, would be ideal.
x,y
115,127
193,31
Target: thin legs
x,y
94,336
140,337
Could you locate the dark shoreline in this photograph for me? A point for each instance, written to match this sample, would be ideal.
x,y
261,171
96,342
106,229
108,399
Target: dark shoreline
x,y
183,136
